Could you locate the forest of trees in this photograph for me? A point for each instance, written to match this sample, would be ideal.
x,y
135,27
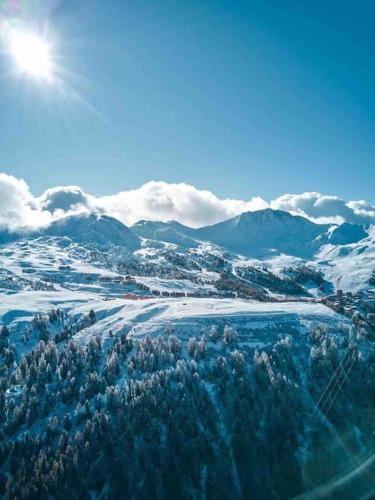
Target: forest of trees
x,y
162,418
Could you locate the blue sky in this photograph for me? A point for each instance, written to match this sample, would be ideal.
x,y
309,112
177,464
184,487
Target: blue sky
x,y
254,98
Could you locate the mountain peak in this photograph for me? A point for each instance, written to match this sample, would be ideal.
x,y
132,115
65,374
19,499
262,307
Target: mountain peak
x,y
265,232
272,219
94,228
265,214
169,232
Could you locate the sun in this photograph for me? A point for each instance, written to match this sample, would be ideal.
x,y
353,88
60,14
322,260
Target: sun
x,y
32,54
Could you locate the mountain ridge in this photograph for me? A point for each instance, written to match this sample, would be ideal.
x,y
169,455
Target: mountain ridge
x,y
258,234
94,229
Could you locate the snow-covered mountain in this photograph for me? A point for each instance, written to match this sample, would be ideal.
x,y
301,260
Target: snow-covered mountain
x,y
271,238
169,232
264,233
228,333
94,229
8,237
259,234
346,233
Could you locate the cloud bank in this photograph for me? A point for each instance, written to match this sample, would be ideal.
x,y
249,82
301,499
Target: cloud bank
x,y
157,200
18,208
181,202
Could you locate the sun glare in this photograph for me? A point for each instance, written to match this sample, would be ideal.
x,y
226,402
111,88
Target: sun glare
x,y
31,54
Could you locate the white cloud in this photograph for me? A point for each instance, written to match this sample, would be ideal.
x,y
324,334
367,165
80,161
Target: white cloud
x,y
63,198
18,209
163,201
181,202
322,208
363,210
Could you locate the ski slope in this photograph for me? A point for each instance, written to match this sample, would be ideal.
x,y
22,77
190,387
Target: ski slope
x,y
190,316
256,322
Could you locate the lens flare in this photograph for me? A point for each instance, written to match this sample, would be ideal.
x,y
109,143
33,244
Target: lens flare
x,y
29,42
31,54
24,37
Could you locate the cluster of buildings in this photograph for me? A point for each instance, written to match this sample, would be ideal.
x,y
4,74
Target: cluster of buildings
x,y
198,294
117,279
126,280
349,303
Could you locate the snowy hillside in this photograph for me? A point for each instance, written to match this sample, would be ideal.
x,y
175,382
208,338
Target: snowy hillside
x,y
350,267
94,229
279,240
267,241
170,232
163,341
264,233
346,233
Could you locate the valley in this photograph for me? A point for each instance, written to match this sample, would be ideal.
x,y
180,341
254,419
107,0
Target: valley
x,y
95,328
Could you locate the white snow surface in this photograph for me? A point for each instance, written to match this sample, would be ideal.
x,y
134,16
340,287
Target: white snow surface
x,y
174,285
186,316
70,279
349,267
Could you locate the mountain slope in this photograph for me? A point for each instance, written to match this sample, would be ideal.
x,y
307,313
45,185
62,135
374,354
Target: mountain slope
x,y
350,267
95,229
169,232
347,233
272,237
8,237
265,232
